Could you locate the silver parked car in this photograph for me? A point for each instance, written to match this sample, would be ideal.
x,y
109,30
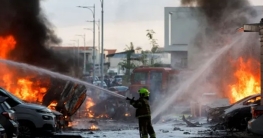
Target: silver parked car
x,y
255,124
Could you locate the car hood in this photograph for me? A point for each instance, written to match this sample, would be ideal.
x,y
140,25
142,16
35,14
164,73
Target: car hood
x,y
232,108
31,106
56,113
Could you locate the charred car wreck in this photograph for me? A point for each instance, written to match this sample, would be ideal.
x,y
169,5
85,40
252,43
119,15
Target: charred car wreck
x,y
65,97
234,117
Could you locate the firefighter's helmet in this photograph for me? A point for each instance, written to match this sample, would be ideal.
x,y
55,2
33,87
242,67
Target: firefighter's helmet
x,y
144,92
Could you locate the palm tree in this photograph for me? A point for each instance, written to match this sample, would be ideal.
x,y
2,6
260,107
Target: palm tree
x,y
126,63
154,44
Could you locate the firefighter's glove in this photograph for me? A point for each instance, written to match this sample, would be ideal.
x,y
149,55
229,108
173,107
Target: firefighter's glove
x,y
131,100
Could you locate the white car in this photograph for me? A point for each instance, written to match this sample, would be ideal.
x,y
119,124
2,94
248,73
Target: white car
x,y
33,119
255,124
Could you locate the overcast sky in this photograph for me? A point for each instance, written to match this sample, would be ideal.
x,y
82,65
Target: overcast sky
x,y
125,21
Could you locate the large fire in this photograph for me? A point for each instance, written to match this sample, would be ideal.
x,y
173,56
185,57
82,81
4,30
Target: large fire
x,y
13,80
247,82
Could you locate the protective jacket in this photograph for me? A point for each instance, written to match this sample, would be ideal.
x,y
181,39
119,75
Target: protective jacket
x,y
142,107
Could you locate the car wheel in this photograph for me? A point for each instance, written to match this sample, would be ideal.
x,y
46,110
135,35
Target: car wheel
x,y
25,130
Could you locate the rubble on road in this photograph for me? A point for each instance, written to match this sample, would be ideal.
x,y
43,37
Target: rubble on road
x,y
189,124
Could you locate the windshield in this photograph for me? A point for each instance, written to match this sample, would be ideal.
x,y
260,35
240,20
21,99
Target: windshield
x,y
241,100
140,77
14,100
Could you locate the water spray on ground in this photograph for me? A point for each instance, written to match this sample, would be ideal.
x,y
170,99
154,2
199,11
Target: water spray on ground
x,y
57,75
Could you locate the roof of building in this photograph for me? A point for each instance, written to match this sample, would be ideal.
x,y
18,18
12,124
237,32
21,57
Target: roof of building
x,y
119,54
70,47
110,51
133,55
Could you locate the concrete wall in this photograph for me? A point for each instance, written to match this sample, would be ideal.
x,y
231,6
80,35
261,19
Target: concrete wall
x,y
180,28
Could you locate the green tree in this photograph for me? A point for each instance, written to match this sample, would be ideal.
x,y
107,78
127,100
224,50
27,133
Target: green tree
x,y
126,63
154,48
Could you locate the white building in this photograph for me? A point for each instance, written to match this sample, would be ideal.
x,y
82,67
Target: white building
x,y
180,29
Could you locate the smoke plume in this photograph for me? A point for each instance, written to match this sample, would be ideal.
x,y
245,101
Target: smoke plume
x,y
218,27
25,21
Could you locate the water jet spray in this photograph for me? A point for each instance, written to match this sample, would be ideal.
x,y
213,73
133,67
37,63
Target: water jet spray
x,y
202,70
57,75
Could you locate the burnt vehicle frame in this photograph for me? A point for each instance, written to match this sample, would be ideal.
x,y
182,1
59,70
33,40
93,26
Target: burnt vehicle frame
x,y
69,97
214,114
236,120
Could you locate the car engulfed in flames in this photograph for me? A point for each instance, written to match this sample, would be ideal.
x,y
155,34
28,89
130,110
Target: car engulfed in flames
x,y
34,87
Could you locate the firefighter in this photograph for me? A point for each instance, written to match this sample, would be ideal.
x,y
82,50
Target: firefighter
x,y
143,113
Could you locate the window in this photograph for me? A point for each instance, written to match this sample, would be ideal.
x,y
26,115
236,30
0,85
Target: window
x,y
140,77
156,76
6,106
12,100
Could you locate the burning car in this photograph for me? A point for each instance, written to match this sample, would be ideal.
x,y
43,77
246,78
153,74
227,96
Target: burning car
x,y
236,116
33,119
214,114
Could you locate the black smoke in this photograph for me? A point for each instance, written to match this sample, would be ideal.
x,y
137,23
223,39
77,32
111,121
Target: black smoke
x,y
223,17
218,27
33,33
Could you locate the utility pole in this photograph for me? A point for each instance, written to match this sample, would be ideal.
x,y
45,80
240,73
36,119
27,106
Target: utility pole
x,y
94,55
102,42
99,44
99,49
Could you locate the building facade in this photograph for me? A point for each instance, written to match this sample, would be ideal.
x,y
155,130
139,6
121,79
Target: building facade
x,y
180,30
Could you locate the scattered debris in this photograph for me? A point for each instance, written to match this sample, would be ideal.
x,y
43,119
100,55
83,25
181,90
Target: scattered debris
x,y
165,131
186,133
189,124
177,128
90,132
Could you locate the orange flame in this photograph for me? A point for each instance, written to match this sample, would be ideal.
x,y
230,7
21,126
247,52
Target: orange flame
x,y
93,127
7,44
89,103
13,81
53,105
247,80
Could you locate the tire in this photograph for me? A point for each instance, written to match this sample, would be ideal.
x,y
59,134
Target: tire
x,y
8,135
26,130
5,136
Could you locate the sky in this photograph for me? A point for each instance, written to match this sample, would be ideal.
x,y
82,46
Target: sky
x,y
125,21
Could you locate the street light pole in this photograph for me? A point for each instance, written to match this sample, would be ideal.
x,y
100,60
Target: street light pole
x,y
99,49
93,56
102,42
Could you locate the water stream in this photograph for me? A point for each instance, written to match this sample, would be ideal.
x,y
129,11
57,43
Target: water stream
x,y
203,69
57,75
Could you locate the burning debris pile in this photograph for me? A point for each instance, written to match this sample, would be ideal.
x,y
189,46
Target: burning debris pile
x,y
236,75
